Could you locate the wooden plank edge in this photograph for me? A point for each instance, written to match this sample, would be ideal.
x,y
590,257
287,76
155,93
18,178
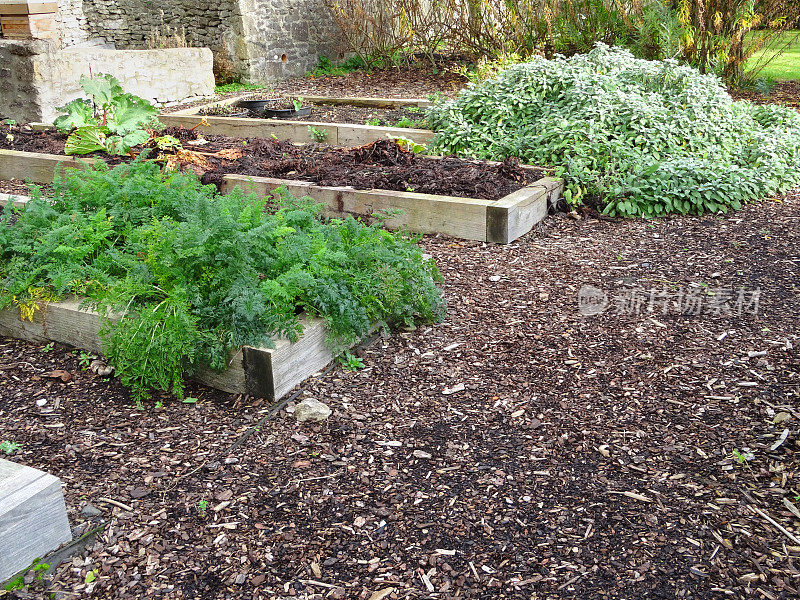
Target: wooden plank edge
x,y
18,200
513,216
339,134
35,166
250,369
463,218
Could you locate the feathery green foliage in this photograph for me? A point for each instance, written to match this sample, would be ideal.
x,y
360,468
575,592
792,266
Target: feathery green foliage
x,y
188,275
642,138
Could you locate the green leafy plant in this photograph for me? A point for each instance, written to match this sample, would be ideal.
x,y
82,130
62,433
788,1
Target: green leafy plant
x,y
202,507
742,457
351,362
318,135
410,145
236,86
183,276
409,123
8,447
85,359
109,119
18,583
297,103
326,68
636,137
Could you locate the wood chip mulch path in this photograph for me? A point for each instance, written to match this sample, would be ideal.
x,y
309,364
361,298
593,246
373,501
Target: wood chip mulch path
x,y
519,450
783,92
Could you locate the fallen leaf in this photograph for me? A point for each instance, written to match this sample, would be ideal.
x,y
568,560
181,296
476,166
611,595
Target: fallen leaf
x,y
59,374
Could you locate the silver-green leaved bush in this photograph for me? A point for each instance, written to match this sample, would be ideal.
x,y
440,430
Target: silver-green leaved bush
x,y
636,137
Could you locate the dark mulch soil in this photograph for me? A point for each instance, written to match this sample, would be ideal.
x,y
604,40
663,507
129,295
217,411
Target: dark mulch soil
x,y
380,165
518,450
358,115
785,92
15,186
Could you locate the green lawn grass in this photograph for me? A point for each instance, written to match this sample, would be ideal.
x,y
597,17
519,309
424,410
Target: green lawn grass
x,y
237,87
784,66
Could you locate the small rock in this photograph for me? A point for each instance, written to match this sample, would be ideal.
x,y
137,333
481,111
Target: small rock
x,y
494,278
311,410
421,454
231,460
41,402
90,511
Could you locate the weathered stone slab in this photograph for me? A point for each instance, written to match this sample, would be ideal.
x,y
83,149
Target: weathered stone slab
x,y
33,516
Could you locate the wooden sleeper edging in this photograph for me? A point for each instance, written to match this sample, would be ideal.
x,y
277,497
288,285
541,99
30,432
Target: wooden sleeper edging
x,y
267,373
501,221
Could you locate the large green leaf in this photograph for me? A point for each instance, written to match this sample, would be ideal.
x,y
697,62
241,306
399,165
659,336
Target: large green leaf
x,y
101,88
85,140
130,113
80,113
120,144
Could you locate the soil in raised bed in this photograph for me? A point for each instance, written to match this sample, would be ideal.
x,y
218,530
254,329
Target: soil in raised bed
x,y
380,165
358,115
17,186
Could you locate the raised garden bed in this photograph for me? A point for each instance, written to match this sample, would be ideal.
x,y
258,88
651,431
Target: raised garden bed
x,y
260,372
243,323
340,121
477,200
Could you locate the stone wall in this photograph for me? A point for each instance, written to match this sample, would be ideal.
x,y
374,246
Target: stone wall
x,y
285,38
19,95
37,76
264,40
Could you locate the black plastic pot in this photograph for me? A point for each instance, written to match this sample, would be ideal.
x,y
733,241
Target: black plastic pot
x,y
262,108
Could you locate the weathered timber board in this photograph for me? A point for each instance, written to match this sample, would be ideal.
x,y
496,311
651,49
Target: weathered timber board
x,y
35,167
17,199
262,372
33,516
515,215
422,213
